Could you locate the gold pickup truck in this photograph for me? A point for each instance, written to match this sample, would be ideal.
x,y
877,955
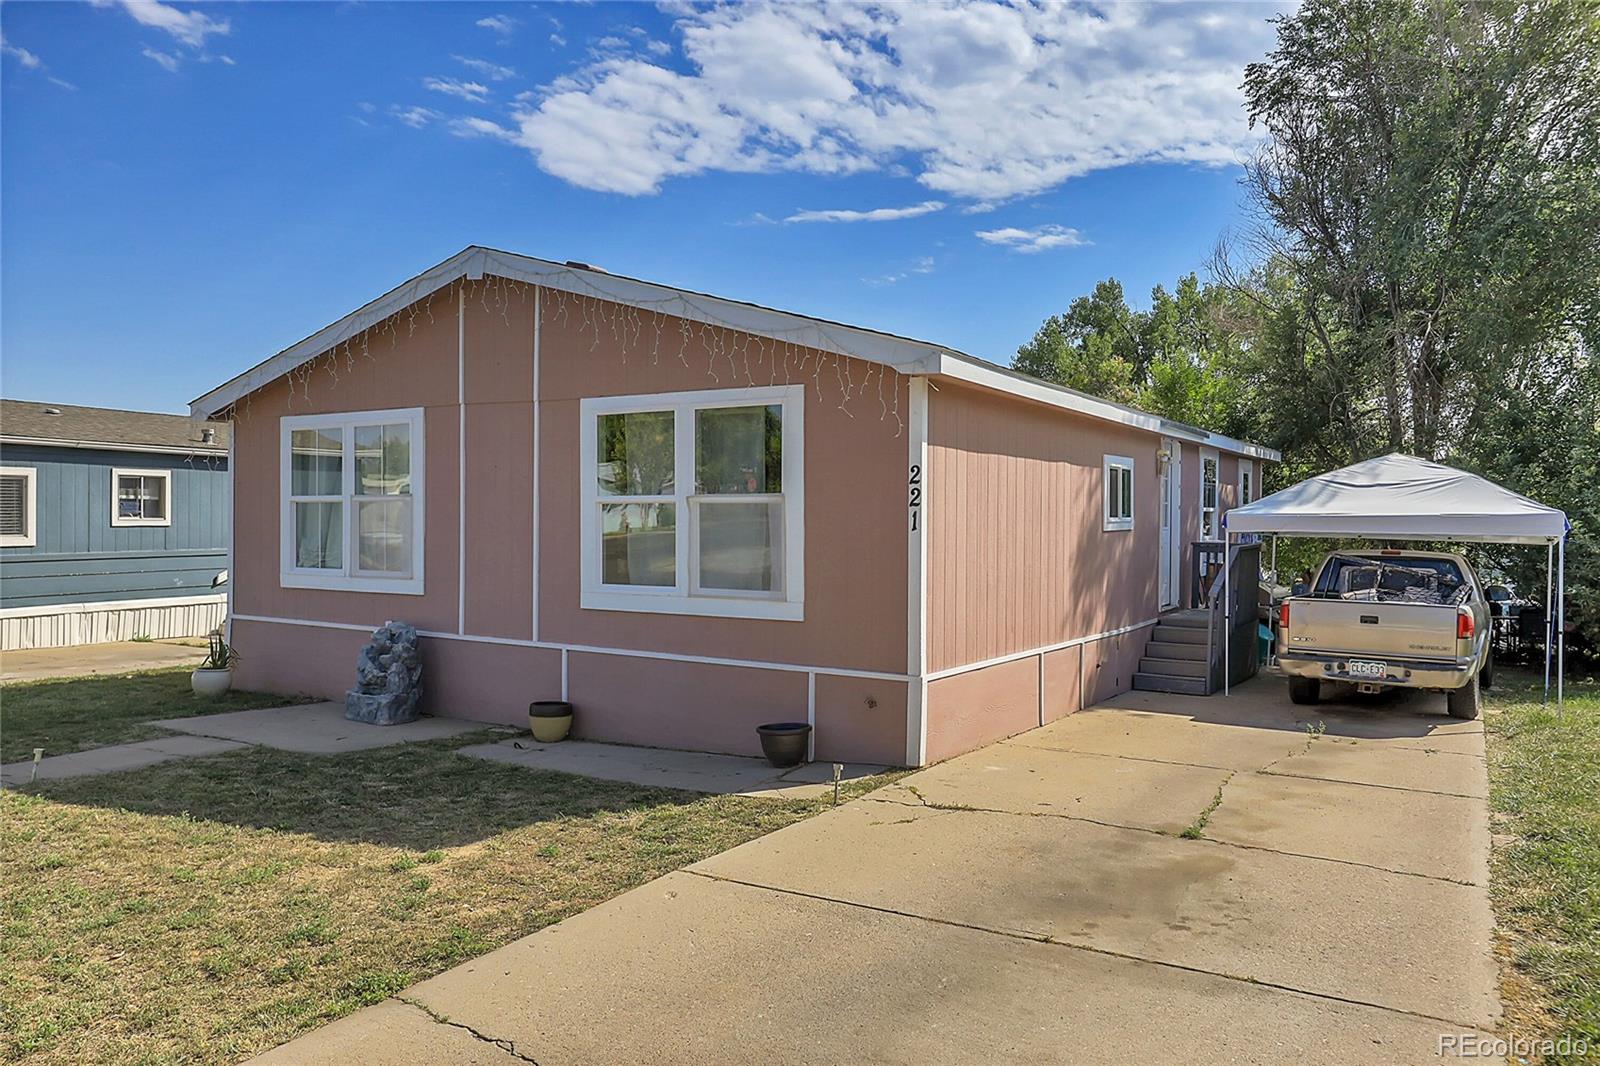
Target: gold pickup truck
x,y
1386,619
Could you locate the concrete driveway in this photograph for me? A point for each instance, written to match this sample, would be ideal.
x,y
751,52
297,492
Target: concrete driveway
x,y
1036,901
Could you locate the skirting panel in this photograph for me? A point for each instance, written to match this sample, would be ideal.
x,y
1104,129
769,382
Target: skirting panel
x,y
70,624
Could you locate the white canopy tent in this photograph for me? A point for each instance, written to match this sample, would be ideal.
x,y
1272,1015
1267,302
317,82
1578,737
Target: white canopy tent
x,y
1400,497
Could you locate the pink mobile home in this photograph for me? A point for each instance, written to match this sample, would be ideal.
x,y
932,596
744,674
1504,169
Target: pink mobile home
x,y
690,515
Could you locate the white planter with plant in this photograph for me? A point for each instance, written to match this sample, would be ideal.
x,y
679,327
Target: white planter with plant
x,y
215,676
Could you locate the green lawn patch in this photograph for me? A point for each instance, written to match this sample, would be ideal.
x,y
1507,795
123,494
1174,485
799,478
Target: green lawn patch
x,y
208,909
1544,776
63,715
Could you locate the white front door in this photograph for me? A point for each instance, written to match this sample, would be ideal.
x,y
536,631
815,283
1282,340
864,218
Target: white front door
x,y
1171,474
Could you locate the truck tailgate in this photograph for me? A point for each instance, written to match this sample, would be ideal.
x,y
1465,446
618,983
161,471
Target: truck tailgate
x,y
1365,627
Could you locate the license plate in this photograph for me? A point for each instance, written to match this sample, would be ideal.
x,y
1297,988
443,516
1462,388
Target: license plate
x,y
1357,668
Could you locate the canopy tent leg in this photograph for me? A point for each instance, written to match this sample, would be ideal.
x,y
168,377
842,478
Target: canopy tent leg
x,y
1227,612
1275,580
1549,586
1561,622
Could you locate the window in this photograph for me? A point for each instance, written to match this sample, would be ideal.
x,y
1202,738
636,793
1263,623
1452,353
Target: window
x,y
1119,492
353,502
1247,482
693,503
141,497
1210,528
18,507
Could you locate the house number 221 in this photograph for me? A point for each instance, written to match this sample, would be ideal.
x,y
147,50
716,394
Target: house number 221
x,y
916,494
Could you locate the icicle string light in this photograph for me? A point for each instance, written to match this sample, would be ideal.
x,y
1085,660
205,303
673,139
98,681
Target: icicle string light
x,y
723,347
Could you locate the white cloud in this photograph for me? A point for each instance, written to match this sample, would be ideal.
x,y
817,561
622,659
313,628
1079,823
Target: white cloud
x,y
415,117
500,25
659,48
979,101
1029,241
492,71
480,127
190,27
467,90
165,60
29,60
558,40
922,265
877,214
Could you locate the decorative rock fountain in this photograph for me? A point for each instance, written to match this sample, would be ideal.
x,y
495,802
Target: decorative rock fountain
x,y
388,678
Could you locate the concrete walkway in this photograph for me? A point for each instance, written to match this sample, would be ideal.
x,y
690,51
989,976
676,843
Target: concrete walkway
x,y
691,771
119,657
1035,902
111,759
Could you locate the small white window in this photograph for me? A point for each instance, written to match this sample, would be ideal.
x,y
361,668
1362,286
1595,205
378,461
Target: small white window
x,y
18,507
1247,481
1118,492
141,497
1209,526
693,503
352,488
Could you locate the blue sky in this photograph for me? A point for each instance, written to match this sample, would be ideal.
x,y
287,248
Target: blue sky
x,y
189,188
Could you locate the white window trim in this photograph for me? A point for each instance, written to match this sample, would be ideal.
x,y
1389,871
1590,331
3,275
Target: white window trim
x,y
680,599
1214,531
30,507
1117,462
1247,471
118,473
347,580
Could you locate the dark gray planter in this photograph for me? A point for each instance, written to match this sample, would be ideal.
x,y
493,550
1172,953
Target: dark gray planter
x,y
784,743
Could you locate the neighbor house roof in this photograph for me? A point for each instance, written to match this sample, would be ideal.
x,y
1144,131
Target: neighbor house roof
x,y
63,425
905,354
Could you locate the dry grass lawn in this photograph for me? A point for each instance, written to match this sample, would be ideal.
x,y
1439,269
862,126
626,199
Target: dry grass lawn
x,y
208,909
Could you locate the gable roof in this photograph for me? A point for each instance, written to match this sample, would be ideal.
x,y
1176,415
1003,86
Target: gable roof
x,y
64,425
905,354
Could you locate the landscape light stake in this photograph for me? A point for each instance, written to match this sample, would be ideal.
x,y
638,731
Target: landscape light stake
x,y
838,769
38,753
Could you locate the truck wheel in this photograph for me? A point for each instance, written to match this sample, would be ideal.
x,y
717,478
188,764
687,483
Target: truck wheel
x,y
1464,702
1304,690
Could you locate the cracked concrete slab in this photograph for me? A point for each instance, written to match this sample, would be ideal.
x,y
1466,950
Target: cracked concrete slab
x,y
1413,832
314,729
389,1033
1029,780
1365,762
1167,738
690,970
1334,929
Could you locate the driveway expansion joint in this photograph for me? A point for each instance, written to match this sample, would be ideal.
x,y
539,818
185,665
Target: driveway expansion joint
x,y
1072,945
508,1046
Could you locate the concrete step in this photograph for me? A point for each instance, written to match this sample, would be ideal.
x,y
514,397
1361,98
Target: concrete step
x,y
1160,649
1173,667
1179,634
1194,618
1191,686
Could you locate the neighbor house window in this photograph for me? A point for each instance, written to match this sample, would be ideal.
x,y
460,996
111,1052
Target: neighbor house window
x,y
141,497
1247,482
18,509
1210,528
693,503
1118,492
353,501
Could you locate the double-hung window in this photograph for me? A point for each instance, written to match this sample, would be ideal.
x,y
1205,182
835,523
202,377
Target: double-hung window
x,y
1210,527
141,497
1118,492
1247,481
693,503
18,507
352,487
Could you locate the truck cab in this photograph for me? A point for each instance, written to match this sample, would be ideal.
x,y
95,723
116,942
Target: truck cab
x,y
1389,619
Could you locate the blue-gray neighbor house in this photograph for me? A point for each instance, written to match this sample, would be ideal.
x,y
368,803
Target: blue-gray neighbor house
x,y
113,525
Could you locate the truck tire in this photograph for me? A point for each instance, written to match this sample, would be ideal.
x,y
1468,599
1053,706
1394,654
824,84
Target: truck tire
x,y
1486,675
1304,690
1464,702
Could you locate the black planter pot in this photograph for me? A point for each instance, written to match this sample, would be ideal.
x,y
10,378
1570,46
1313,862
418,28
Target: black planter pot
x,y
784,743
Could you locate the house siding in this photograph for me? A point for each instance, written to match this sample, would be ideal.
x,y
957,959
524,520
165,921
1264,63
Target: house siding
x,y
632,676
80,557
